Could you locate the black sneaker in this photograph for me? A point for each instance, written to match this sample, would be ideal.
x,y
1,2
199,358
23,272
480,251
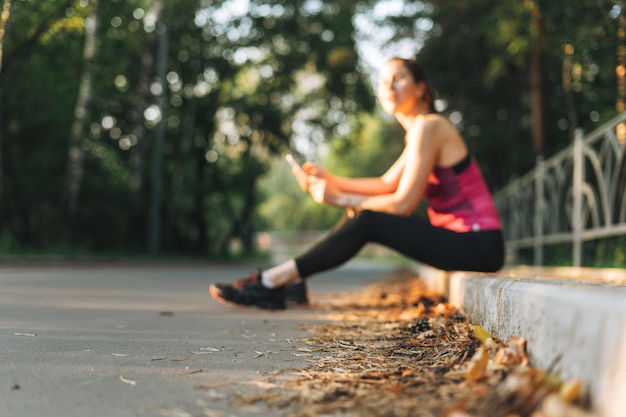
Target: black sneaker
x,y
297,294
249,292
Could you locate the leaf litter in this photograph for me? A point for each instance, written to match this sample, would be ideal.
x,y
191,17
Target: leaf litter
x,y
394,349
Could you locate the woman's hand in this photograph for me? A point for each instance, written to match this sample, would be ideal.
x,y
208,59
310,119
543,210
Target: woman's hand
x,y
315,170
308,174
322,190
318,182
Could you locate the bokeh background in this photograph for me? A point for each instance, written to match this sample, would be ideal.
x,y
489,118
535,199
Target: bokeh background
x,y
154,127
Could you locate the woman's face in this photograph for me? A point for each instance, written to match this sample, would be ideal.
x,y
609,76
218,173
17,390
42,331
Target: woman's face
x,y
398,93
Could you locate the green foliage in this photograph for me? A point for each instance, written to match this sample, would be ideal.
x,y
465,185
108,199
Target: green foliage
x,y
606,253
371,148
600,253
374,144
244,86
287,208
232,93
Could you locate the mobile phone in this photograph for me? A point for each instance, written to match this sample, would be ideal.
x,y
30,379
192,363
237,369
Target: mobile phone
x,y
292,161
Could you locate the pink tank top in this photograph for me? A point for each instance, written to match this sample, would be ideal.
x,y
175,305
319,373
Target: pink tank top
x,y
459,199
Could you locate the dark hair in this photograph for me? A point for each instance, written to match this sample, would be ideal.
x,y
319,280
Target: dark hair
x,y
416,70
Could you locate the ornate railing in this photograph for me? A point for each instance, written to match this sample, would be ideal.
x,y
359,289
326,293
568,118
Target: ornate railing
x,y
575,196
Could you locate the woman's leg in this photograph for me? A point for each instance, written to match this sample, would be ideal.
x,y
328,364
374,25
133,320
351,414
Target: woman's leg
x,y
412,236
288,272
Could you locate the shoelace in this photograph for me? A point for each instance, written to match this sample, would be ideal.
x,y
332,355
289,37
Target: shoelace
x,y
242,283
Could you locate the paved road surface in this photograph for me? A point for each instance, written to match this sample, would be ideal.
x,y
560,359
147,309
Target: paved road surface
x,y
120,340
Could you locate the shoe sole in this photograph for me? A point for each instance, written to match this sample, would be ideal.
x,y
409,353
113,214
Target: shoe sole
x,y
298,304
214,293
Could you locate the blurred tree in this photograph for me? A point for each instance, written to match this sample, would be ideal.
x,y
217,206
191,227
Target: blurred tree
x,y
269,66
82,114
375,142
246,81
17,89
4,17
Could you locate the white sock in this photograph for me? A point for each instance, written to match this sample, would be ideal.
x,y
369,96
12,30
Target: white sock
x,y
266,282
283,274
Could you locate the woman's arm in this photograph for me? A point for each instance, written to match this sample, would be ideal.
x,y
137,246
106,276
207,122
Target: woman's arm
x,y
410,174
385,184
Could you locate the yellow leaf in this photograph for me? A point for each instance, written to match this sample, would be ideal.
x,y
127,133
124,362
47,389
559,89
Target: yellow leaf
x,y
481,334
570,390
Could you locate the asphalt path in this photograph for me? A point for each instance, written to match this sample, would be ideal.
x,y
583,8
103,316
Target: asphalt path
x,y
114,340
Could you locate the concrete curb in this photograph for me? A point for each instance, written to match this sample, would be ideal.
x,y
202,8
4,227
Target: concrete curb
x,y
574,327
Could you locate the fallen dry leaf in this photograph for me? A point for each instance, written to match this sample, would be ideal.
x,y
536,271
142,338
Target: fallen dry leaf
x,y
263,384
210,349
570,390
128,381
477,368
512,353
481,334
554,406
189,372
211,386
206,351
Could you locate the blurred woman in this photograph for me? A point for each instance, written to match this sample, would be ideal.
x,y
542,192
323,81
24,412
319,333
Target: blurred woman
x,y
462,231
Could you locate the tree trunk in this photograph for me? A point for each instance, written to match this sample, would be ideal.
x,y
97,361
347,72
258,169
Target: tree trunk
x,y
246,232
4,17
138,152
82,113
242,225
199,196
159,134
536,80
572,117
620,70
14,213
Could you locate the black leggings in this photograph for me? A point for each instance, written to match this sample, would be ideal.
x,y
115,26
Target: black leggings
x,y
412,236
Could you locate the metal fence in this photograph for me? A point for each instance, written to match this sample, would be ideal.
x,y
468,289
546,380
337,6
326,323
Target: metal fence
x,y
575,196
